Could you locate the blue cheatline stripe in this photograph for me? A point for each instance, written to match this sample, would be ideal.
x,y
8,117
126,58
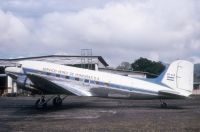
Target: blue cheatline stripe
x,y
98,83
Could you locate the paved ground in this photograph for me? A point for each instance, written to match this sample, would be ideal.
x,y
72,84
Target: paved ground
x,y
96,114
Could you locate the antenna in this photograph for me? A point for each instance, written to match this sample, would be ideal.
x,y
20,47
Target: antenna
x,y
86,58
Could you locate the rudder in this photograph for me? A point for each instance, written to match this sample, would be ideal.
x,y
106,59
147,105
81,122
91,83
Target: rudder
x,y
179,76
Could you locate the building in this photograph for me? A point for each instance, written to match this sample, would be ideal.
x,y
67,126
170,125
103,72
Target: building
x,y
7,85
196,90
125,72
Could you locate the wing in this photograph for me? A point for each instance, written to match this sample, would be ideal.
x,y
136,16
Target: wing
x,y
47,86
171,94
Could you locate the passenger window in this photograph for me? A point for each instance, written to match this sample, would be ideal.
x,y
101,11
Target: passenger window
x,y
86,81
67,77
48,73
57,75
77,79
19,65
106,84
92,82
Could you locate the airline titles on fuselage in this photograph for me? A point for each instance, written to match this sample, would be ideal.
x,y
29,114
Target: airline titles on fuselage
x,y
85,76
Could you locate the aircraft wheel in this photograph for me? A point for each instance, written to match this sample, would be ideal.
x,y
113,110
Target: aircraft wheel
x,y
164,105
37,103
57,101
44,105
40,103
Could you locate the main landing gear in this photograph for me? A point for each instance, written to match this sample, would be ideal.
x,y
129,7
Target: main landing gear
x,y
42,102
163,104
57,101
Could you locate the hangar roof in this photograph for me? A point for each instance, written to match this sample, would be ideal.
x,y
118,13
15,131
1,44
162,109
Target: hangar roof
x,y
68,59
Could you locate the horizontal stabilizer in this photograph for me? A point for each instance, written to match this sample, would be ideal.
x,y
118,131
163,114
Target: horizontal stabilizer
x,y
171,94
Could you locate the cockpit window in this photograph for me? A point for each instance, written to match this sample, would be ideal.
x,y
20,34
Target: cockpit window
x,y
19,65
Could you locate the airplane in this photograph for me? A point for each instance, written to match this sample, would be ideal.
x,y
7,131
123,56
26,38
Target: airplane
x,y
176,82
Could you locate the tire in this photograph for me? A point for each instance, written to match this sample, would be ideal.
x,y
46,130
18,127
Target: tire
x,y
44,106
57,101
163,105
37,103
40,104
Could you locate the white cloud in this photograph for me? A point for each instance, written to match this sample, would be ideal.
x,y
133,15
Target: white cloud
x,y
195,59
154,56
12,31
119,31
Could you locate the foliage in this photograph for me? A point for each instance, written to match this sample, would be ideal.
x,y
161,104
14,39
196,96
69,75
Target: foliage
x,y
124,66
145,65
197,73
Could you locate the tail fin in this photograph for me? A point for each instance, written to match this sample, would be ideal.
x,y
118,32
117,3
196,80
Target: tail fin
x,y
179,76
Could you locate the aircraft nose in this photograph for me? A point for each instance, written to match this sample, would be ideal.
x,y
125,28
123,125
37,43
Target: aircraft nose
x,y
13,70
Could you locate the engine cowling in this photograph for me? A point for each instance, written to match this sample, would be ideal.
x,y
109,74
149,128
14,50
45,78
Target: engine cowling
x,y
25,83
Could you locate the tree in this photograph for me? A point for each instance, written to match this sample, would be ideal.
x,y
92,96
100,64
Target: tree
x,y
145,65
124,66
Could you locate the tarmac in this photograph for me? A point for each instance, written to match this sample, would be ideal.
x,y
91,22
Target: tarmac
x,y
89,114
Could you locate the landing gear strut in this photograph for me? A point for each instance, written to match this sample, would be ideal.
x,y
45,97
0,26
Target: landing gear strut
x,y
163,104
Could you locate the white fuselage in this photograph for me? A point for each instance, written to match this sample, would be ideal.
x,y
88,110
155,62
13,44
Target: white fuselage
x,y
95,83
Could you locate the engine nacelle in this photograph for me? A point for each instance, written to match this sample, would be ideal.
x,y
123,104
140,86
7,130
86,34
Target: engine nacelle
x,y
25,83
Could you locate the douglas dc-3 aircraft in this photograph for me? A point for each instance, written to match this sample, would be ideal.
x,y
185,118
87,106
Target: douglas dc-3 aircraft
x,y
176,82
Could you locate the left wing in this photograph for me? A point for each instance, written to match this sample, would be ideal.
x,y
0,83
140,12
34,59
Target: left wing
x,y
46,86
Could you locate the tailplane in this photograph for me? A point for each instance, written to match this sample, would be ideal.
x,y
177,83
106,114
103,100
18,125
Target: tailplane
x,y
179,77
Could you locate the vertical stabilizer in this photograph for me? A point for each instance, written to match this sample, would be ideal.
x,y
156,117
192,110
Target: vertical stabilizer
x,y
179,76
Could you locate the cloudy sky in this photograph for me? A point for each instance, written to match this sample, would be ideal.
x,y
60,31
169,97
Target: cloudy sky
x,y
118,30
